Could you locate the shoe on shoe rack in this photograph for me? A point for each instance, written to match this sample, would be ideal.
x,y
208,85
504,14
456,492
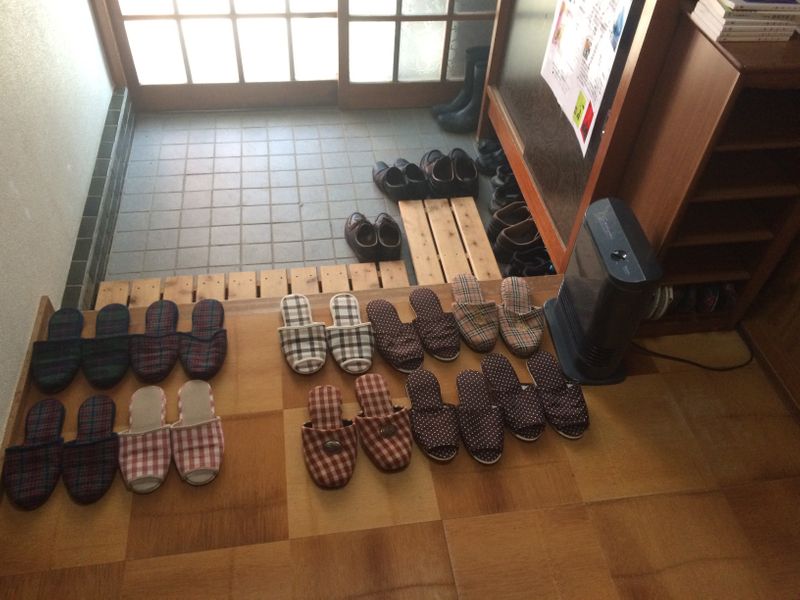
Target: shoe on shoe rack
x,y
390,238
505,195
473,55
530,263
465,120
362,237
390,180
509,215
416,184
488,145
487,163
516,238
438,170
502,176
465,173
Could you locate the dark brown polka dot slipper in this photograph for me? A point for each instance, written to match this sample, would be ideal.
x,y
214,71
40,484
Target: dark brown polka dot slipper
x,y
398,342
434,423
480,422
563,402
522,409
436,328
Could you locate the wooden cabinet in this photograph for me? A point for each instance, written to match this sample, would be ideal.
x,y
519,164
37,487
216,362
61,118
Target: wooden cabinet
x,y
715,174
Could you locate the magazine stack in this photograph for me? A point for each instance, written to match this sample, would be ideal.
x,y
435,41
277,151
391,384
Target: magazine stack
x,y
747,20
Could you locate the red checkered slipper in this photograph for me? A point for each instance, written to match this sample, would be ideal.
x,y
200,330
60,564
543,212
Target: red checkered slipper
x,y
434,423
91,460
521,325
476,320
563,402
351,341
436,328
330,443
203,350
480,422
145,450
522,410
31,470
197,440
154,353
303,341
384,429
397,342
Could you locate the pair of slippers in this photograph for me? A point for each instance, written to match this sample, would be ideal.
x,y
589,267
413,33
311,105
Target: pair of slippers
x,y
87,463
104,358
305,342
330,443
520,324
201,351
195,441
403,344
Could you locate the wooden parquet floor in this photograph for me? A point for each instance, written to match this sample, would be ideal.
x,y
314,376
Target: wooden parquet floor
x,y
687,485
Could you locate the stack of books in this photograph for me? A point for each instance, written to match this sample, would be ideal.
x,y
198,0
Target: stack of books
x,y
747,20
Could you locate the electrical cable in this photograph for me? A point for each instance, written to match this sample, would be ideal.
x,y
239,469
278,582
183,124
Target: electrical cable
x,y
687,361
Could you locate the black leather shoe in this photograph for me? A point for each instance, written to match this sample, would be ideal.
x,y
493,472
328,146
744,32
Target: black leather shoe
x,y
502,175
473,55
390,181
465,173
438,170
416,182
505,195
362,237
466,119
488,163
390,238
488,145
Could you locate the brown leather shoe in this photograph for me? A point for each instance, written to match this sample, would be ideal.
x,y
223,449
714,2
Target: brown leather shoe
x,y
362,237
516,238
509,215
390,238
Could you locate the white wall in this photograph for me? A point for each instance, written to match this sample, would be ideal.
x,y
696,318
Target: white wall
x,y
54,94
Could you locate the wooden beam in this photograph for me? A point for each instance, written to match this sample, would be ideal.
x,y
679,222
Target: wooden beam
x,y
179,289
112,292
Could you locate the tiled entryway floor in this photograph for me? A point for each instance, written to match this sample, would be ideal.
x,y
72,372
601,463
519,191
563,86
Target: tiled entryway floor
x,y
240,191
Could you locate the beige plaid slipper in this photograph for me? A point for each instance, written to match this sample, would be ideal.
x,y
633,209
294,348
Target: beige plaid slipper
x,y
350,339
476,320
330,443
521,325
303,341
384,429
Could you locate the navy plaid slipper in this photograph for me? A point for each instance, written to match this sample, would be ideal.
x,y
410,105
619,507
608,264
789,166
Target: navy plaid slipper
x,y
56,361
91,460
104,359
522,410
154,353
203,350
30,471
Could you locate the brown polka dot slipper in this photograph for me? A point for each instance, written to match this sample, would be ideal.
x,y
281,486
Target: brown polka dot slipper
x,y
436,328
477,321
480,422
330,443
563,402
384,429
521,325
397,342
522,410
434,423
303,341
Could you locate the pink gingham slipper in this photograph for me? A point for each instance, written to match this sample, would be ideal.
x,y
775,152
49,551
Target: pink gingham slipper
x,y
144,450
197,439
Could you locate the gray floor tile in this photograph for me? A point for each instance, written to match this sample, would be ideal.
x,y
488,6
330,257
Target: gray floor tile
x,y
199,166
159,260
316,230
331,131
284,195
371,208
192,257
256,234
133,221
226,198
340,192
139,185
343,209
224,255
142,168
359,144
175,137
196,217
381,143
223,181
282,162
309,161
125,262
335,159
307,147
225,235
172,151
279,133
229,135
281,147
287,252
283,179
169,183
199,136
194,183
311,177
255,179
172,167
254,134
135,203
361,174
255,148
306,132
200,151
310,211
167,201
227,149
354,130
318,249
285,213
287,232
145,152
314,193
255,214
255,196
194,236
365,191
228,165
201,199
156,274
229,215
162,239
338,175
342,250
364,159
165,219
255,163
256,253
129,241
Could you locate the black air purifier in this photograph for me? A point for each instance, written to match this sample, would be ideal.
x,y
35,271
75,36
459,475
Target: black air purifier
x,y
607,287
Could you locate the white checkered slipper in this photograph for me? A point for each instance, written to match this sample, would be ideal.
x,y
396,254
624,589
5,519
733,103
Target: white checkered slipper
x,y
302,340
351,341
197,440
144,450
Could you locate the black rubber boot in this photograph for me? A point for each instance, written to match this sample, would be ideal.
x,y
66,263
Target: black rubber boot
x,y
473,55
466,119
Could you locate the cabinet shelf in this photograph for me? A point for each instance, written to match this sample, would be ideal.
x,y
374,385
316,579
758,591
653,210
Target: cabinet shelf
x,y
762,119
711,264
748,175
715,223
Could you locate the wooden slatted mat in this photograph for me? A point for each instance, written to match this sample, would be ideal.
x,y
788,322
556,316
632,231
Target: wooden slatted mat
x,y
272,283
446,238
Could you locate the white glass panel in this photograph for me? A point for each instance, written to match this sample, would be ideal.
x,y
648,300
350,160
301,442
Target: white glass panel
x,y
466,34
424,7
210,50
204,7
315,49
373,7
307,6
257,7
156,50
264,44
471,6
146,7
421,45
371,51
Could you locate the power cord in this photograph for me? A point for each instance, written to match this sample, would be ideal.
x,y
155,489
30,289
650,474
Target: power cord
x,y
647,351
